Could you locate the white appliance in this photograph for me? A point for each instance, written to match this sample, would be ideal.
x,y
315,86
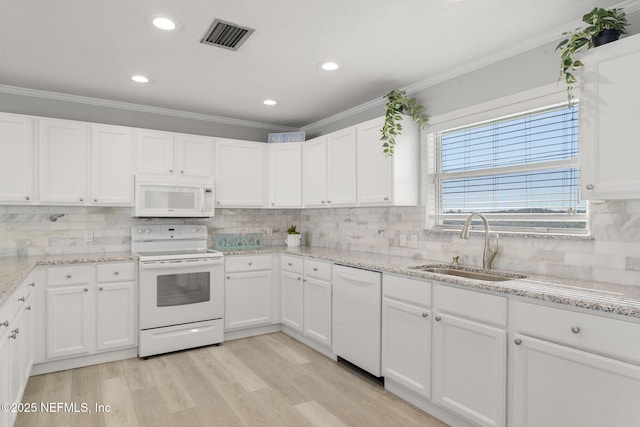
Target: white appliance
x,y
357,317
181,288
158,197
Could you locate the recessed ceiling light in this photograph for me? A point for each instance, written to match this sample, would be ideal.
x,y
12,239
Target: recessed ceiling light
x,y
269,102
329,66
140,79
164,23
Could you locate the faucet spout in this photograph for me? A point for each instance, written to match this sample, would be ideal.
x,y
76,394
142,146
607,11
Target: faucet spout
x,y
490,251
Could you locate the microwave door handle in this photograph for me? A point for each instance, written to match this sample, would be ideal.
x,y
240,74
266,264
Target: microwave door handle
x,y
202,200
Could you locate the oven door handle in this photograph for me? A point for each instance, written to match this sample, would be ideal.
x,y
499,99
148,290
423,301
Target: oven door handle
x,y
161,265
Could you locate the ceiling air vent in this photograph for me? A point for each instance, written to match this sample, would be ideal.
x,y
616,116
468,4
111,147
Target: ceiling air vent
x,y
226,35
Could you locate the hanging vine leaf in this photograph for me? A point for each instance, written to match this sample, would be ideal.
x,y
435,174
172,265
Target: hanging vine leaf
x,y
397,104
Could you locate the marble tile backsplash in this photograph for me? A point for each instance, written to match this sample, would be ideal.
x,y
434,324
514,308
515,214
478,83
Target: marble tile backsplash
x,y
611,255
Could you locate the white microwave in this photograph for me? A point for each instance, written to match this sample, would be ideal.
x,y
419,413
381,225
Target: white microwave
x,y
161,197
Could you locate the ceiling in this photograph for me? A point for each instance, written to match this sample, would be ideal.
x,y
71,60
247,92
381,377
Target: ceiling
x,y
92,47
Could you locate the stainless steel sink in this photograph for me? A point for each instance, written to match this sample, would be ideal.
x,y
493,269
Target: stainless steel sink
x,y
469,274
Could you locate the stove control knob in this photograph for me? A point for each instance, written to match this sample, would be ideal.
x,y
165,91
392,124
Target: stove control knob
x,y
193,230
148,230
139,230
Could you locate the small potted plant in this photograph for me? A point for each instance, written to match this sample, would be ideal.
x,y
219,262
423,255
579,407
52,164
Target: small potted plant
x,y
397,104
605,26
293,237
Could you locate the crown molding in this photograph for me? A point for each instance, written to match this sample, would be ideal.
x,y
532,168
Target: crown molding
x,y
522,47
58,96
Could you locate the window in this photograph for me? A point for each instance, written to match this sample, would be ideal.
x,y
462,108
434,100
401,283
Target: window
x,y
520,171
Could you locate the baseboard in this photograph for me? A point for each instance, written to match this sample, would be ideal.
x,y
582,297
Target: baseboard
x,y
79,362
320,348
251,332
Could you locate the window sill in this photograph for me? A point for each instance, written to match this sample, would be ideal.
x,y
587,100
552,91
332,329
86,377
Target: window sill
x,y
518,235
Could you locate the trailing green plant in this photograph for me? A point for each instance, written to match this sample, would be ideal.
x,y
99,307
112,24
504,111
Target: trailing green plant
x,y
397,104
292,230
599,19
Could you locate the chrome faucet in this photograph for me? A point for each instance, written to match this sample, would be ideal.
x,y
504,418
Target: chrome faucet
x,y
489,252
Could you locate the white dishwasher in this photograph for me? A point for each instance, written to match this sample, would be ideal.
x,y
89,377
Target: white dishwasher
x,y
357,299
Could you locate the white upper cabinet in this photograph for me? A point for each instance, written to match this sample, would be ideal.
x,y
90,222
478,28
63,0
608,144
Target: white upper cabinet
x,y
341,168
388,180
239,173
314,172
112,165
63,161
16,161
166,153
285,175
609,145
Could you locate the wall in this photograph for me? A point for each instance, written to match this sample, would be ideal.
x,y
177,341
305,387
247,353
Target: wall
x,y
28,230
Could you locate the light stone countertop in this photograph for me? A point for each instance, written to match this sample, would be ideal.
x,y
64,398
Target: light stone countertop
x,y
13,270
622,300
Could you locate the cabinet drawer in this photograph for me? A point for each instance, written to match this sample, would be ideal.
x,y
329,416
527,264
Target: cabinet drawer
x,y
600,334
472,305
117,272
291,263
247,263
315,269
69,275
407,289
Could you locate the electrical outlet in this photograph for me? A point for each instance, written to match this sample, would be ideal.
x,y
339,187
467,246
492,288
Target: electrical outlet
x,y
413,242
403,240
88,236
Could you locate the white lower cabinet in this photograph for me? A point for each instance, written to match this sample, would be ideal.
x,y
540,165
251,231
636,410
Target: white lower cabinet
x,y
5,379
85,315
317,301
291,292
248,291
572,369
470,355
406,333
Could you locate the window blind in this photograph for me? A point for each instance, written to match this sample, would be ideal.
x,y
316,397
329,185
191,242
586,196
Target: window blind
x,y
521,171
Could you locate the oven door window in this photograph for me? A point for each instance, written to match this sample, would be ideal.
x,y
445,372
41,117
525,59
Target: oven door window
x,y
183,289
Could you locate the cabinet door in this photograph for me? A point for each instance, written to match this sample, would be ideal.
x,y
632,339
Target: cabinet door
x,y
341,168
5,378
155,152
314,170
16,361
317,310
248,300
406,345
554,385
195,156
609,145
69,320
116,316
374,170
469,369
112,165
285,175
292,302
16,159
64,161
239,171
27,329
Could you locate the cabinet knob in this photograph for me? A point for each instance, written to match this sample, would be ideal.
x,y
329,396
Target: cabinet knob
x,y
323,202
100,288
5,323
116,273
95,200
575,329
13,336
21,299
517,341
228,277
250,263
315,268
425,315
28,308
86,289
16,331
273,203
438,318
589,186
386,199
299,278
182,172
69,276
290,264
328,201
82,199
170,170
217,203
32,284
28,198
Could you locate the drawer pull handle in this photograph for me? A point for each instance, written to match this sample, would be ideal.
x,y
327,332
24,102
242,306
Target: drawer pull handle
x,y
116,272
315,268
101,288
438,318
13,336
299,278
517,341
86,289
5,323
68,276
228,277
16,331
250,263
425,315
589,186
21,299
28,308
290,264
575,329
32,284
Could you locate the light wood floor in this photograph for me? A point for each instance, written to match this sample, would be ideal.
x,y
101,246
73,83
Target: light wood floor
x,y
269,380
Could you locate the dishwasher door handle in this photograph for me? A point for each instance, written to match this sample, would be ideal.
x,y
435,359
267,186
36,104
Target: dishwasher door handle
x,y
356,278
